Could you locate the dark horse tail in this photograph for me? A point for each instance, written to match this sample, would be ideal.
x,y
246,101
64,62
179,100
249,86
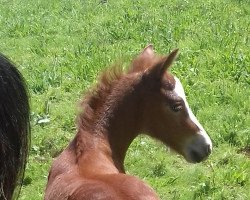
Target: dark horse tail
x,y
14,129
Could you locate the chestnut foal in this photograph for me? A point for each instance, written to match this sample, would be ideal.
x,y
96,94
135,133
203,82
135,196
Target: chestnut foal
x,y
147,99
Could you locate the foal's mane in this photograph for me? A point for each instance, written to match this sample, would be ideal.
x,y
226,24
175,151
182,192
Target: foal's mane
x,y
97,96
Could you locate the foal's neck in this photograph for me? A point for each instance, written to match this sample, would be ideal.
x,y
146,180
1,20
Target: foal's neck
x,y
123,127
118,124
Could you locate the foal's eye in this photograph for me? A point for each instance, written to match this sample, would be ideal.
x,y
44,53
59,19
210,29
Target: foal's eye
x,y
177,107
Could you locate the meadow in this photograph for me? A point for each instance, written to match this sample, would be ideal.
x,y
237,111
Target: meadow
x,y
61,46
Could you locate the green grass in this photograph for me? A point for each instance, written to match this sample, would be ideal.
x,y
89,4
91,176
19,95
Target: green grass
x,y
61,46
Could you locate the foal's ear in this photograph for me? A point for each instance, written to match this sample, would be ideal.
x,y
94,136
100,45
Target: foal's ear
x,y
148,51
160,68
143,60
170,59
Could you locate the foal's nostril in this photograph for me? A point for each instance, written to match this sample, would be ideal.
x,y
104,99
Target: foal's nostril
x,y
208,149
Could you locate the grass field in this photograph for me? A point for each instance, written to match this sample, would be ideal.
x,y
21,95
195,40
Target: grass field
x,y
61,46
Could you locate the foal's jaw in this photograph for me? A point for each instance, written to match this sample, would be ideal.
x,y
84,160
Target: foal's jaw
x,y
199,145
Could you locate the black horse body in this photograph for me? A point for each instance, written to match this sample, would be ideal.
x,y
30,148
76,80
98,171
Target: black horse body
x,y
14,129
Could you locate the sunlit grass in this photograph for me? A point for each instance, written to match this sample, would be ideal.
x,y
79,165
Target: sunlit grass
x,y
61,46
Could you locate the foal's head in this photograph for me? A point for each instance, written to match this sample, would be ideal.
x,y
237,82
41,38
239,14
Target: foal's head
x,y
166,113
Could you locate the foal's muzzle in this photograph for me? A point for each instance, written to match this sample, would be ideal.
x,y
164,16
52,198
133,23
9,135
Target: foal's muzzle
x,y
198,149
198,156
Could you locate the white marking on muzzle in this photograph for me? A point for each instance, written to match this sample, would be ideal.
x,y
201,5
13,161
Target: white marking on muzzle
x,y
203,138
